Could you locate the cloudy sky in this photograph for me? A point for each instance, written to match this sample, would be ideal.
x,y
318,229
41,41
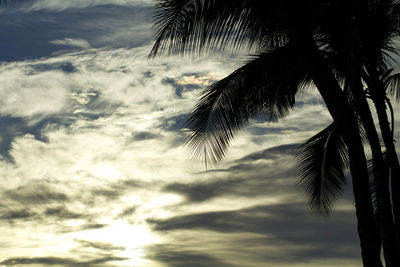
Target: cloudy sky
x,y
92,160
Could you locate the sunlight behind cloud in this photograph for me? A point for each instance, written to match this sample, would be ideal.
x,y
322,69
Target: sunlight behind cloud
x,y
132,239
105,171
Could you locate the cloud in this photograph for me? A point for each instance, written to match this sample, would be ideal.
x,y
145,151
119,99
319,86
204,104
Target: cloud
x,y
271,153
145,136
128,212
16,214
38,260
305,238
106,247
58,261
79,43
32,95
66,67
256,175
62,213
35,194
189,82
182,258
59,5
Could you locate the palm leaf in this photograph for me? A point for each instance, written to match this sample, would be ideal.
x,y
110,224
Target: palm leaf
x,y
265,85
321,162
182,25
393,85
373,184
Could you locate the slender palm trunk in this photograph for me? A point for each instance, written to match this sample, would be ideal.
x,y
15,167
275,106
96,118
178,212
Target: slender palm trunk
x,y
393,160
377,92
384,210
342,113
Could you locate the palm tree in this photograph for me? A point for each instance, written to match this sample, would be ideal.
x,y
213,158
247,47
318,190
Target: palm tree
x,y
379,86
374,26
350,40
377,39
195,25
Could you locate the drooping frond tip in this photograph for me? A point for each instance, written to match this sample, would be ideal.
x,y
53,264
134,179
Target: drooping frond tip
x,y
392,84
321,161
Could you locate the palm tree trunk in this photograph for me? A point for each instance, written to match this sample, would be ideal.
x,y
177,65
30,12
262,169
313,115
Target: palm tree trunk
x,y
341,112
377,91
393,160
384,210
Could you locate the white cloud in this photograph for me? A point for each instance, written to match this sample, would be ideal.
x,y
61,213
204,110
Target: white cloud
x,y
24,95
80,43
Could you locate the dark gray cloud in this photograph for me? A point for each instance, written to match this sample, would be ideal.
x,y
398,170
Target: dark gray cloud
x,y
57,261
290,224
106,247
248,177
114,191
257,130
241,185
175,123
145,136
86,226
271,153
66,67
198,192
268,173
181,257
62,213
38,260
16,214
35,194
128,212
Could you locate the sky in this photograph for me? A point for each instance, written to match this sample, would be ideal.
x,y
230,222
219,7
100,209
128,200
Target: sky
x,y
93,166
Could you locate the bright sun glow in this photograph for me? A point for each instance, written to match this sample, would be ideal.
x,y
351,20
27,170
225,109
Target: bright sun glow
x,y
105,171
133,238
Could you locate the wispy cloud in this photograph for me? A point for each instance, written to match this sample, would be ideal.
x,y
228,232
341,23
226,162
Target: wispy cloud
x,y
45,261
80,43
59,5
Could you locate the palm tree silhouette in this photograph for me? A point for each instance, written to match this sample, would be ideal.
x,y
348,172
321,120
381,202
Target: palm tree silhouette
x,y
376,30
361,38
274,28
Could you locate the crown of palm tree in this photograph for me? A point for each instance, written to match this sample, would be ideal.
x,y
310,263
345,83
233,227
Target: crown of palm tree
x,y
266,84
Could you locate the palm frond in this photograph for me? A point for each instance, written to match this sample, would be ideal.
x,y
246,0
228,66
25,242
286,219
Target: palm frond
x,y
392,84
265,85
373,184
321,161
195,25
